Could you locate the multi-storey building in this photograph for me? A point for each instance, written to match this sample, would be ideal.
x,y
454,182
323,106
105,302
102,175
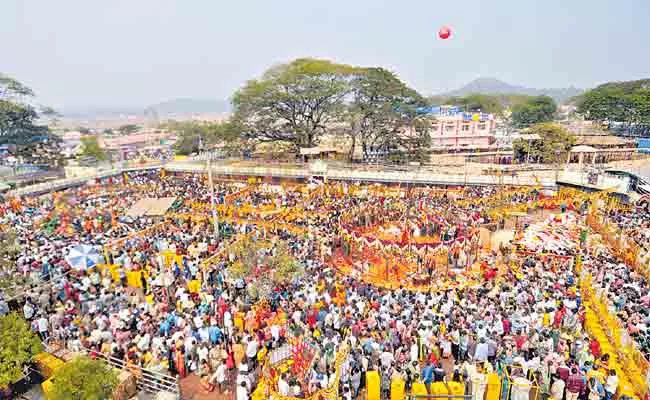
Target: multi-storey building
x,y
455,129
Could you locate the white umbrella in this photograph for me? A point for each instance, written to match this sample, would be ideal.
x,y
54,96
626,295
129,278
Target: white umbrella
x,y
83,256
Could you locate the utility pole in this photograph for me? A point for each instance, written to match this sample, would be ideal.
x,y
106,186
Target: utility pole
x,y
215,215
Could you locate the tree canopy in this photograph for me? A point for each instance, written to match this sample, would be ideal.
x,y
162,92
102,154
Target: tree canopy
x,y
18,123
90,148
12,89
268,265
485,102
537,109
627,103
84,379
193,134
294,102
128,129
298,102
9,250
479,102
18,344
554,144
382,114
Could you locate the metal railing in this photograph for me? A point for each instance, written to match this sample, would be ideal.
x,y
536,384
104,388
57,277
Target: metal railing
x,y
146,379
416,176
76,181
420,175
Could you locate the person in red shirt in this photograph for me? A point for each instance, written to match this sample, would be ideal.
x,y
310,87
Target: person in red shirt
x,y
506,326
433,359
490,274
557,320
520,339
311,318
594,346
574,385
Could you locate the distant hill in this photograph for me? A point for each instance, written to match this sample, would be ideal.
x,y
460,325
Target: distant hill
x,y
496,86
190,106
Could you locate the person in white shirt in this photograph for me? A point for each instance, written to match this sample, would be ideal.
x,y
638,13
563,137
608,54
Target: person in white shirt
x,y
42,327
251,350
557,388
386,358
481,352
227,322
219,376
296,316
202,352
144,342
275,332
242,392
198,321
242,376
611,385
283,386
28,311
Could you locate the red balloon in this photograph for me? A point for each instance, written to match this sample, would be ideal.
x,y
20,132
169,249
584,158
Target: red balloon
x,y
444,32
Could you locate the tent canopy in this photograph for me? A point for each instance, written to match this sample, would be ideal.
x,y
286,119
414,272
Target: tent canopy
x,y
583,149
151,206
310,151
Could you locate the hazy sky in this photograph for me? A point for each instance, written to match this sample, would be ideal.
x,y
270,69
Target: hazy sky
x,y
91,53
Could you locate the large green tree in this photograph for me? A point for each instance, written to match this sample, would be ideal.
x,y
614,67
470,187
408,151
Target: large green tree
x,y
19,124
18,344
90,148
382,114
552,147
294,102
84,379
535,110
627,103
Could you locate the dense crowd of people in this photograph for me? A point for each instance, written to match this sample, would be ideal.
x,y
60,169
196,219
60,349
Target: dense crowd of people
x,y
635,224
167,302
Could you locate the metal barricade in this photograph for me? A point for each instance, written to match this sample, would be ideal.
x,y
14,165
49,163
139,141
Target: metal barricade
x,y
146,379
519,384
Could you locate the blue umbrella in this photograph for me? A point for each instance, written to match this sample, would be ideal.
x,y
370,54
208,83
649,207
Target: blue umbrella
x,y
83,256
